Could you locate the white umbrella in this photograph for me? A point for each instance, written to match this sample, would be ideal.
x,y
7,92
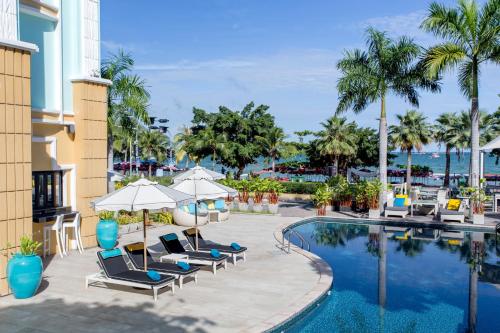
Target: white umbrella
x,y
198,172
142,195
202,189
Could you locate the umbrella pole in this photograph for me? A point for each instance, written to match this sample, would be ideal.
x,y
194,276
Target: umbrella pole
x,y
196,223
145,221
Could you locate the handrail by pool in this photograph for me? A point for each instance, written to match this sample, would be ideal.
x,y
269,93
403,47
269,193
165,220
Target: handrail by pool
x,y
291,232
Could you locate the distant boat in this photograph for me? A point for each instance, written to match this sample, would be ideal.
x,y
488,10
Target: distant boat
x,y
435,155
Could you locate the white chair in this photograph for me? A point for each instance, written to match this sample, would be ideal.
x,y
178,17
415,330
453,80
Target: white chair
x,y
47,230
75,224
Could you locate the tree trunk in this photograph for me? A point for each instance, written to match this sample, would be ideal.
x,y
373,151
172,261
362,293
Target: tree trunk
x,y
474,115
130,161
273,164
336,165
239,172
382,158
408,173
446,182
213,161
110,152
150,168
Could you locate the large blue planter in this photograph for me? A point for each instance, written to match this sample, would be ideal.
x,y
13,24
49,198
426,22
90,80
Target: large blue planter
x,y
107,233
24,274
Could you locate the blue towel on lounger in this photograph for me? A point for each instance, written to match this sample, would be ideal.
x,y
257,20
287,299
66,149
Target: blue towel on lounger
x,y
183,265
236,246
215,253
153,275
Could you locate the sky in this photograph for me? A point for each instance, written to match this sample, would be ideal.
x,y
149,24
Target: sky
x,y
281,53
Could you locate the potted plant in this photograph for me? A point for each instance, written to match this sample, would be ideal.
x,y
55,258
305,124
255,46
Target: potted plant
x,y
258,187
478,199
321,198
359,194
372,195
243,194
341,193
275,188
24,269
107,230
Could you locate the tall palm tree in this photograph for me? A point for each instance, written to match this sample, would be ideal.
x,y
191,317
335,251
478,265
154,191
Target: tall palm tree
x,y
412,132
153,145
182,141
444,134
386,67
128,97
337,139
274,145
472,38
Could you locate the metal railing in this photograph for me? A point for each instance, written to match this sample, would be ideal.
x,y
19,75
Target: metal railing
x,y
290,233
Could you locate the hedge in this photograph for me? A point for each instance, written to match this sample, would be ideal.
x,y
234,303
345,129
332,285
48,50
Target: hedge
x,y
300,188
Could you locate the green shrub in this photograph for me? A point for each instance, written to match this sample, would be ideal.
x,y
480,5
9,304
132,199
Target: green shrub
x,y
106,215
128,219
300,188
162,217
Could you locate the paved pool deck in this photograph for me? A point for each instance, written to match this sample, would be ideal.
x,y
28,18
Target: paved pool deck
x,y
252,296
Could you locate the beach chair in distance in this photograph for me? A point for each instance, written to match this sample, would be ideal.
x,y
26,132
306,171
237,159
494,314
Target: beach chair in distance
x,y
203,246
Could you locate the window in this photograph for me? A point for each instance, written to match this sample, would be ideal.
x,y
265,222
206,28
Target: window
x,y
47,189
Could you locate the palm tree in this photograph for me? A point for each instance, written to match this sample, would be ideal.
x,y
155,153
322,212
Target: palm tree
x,y
274,145
386,67
128,97
208,139
337,139
413,132
153,144
472,38
443,134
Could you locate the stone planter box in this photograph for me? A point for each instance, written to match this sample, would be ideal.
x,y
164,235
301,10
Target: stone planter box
x,y
273,208
243,206
374,214
257,208
478,218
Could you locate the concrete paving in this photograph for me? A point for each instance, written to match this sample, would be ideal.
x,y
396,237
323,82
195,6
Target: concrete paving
x,y
239,299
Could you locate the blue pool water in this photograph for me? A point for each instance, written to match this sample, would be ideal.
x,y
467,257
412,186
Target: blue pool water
x,y
401,279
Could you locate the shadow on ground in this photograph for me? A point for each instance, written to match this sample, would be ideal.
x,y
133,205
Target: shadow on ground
x,y
56,315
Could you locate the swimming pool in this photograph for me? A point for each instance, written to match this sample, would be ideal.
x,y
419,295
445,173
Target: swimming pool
x,y
394,278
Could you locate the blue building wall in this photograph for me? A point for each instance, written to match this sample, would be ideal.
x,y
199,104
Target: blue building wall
x,y
44,94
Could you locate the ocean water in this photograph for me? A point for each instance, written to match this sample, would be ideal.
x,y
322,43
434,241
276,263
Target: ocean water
x,y
459,165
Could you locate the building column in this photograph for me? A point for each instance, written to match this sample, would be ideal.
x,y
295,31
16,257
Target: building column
x,y
90,107
15,151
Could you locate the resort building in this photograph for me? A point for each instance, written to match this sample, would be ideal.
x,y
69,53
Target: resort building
x,y
53,112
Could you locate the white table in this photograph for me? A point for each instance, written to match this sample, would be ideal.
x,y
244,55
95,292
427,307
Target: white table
x,y
213,213
417,203
174,257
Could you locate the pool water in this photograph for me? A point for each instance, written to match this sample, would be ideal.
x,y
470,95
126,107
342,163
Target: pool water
x,y
401,279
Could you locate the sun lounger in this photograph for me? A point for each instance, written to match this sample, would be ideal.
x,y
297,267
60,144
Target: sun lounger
x,y
116,271
206,247
173,245
391,210
458,215
135,253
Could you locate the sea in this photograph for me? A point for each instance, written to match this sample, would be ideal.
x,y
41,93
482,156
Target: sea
x,y
459,163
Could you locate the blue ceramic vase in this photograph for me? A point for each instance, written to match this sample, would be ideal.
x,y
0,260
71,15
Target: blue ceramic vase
x,y
24,274
107,234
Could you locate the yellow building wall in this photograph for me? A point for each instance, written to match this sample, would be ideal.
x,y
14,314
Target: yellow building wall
x,y
15,154
90,108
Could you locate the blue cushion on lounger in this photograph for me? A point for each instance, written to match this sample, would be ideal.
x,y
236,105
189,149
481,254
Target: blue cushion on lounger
x,y
235,246
219,204
183,265
153,275
169,237
191,208
215,253
399,202
111,253
203,205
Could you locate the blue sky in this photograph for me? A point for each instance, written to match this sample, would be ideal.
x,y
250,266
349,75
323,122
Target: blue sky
x,y
282,53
